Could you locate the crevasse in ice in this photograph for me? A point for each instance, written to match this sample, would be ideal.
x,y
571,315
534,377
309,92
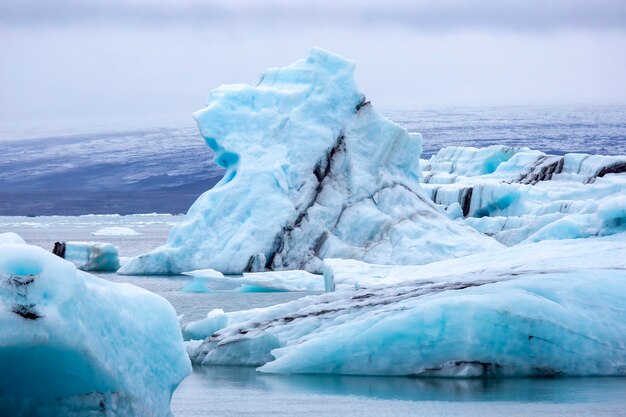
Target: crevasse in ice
x,y
312,171
72,344
541,309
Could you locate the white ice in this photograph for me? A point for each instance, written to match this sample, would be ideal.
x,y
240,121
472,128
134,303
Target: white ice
x,y
312,172
259,281
10,237
591,253
520,195
554,308
116,231
74,345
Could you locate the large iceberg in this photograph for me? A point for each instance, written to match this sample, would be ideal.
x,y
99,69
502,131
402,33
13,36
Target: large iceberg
x,y
312,171
557,314
521,195
72,344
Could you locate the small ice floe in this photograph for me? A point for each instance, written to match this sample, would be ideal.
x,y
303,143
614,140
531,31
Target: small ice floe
x,y
116,231
261,281
198,285
89,256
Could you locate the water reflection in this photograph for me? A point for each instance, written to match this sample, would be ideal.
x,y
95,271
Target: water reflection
x,y
559,390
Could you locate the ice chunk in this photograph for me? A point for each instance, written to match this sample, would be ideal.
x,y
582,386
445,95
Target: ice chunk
x,y
541,256
562,314
205,273
312,171
92,256
198,285
72,344
530,196
469,161
275,280
10,237
116,231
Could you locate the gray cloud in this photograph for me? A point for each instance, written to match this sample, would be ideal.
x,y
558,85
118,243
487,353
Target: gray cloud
x,y
529,15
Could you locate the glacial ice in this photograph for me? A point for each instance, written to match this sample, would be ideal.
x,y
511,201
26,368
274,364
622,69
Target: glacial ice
x,y
554,308
198,285
92,256
10,237
268,281
589,253
520,195
116,231
75,345
312,172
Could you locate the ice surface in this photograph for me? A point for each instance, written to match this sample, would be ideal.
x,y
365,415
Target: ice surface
x,y
92,256
10,237
116,231
198,285
75,345
555,308
312,171
520,195
274,280
591,253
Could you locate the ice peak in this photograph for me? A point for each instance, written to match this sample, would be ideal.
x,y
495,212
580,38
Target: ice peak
x,y
312,171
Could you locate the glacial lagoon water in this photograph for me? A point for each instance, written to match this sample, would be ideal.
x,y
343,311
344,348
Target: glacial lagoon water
x,y
240,391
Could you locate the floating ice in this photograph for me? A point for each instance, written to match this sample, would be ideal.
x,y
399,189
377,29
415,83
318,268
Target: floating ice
x,y
116,231
274,280
596,253
92,256
10,237
555,308
519,195
198,285
312,171
75,345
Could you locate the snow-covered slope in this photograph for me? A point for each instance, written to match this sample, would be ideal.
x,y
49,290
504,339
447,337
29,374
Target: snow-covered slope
x,y
522,315
75,345
312,171
520,195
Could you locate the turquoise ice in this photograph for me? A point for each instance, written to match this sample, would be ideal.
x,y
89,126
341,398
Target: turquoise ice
x,y
74,344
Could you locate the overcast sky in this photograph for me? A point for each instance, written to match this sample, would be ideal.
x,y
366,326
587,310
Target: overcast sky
x,y
71,59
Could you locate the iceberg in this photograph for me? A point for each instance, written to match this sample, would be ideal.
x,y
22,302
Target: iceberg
x,y
116,231
260,281
562,314
10,237
198,285
590,253
521,195
74,345
89,256
312,171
